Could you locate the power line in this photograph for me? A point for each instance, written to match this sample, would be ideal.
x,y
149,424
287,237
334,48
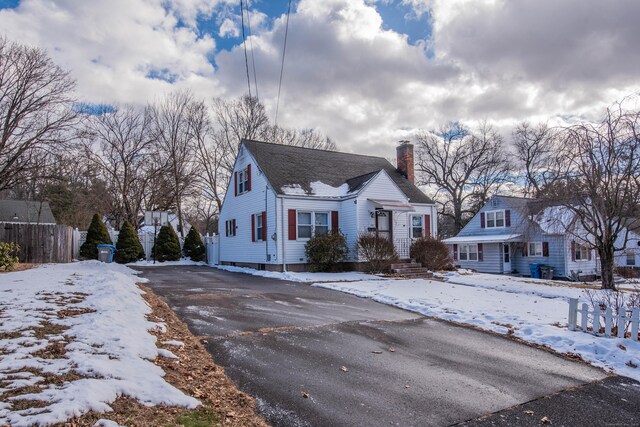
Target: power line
x,y
244,43
284,51
253,60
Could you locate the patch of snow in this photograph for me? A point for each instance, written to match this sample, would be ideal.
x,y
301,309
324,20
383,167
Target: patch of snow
x,y
349,276
529,309
173,343
110,346
106,423
555,219
183,261
321,189
293,190
166,354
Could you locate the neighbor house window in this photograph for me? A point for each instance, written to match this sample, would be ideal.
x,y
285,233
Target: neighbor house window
x,y
494,219
582,252
243,181
631,258
468,252
535,249
417,227
312,223
258,223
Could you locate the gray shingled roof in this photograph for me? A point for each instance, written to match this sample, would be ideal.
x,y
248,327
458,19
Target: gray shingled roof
x,y
286,165
26,211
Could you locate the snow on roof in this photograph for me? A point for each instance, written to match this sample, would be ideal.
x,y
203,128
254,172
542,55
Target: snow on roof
x,y
555,219
318,189
491,238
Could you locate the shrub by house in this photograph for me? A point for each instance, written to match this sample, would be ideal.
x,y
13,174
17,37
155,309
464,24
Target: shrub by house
x,y
378,252
325,251
431,253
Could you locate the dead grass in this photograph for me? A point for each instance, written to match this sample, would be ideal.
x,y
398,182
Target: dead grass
x,y
19,267
195,374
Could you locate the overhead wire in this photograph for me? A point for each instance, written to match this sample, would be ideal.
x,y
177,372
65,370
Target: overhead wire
x,y
244,43
253,60
284,51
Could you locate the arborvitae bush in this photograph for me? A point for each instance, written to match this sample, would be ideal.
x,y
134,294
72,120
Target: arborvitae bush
x,y
167,247
324,251
128,248
378,252
193,246
97,234
9,255
432,254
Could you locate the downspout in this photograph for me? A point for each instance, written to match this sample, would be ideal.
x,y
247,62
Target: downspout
x,y
284,256
266,222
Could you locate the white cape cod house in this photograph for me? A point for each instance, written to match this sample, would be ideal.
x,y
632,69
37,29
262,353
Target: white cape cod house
x,y
280,195
509,234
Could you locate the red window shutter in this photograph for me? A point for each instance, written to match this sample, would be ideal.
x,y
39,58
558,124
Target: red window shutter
x,y
253,228
264,226
233,227
573,250
334,221
292,224
235,182
480,252
507,218
481,219
455,252
545,248
248,177
427,226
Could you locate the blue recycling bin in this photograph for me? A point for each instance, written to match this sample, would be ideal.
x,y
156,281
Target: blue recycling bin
x,y
105,252
535,271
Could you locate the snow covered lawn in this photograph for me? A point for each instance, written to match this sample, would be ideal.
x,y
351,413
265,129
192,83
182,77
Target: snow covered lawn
x,y
73,338
526,308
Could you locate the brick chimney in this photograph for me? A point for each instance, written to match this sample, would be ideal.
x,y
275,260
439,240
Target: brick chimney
x,y
404,160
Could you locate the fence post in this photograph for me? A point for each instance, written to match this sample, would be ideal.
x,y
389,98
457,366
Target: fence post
x,y
622,321
608,321
573,313
584,320
635,322
596,320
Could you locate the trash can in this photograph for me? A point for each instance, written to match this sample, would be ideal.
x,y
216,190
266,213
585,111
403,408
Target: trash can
x,y
535,271
546,272
105,253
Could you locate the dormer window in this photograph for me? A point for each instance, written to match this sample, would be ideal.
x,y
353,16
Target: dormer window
x,y
494,219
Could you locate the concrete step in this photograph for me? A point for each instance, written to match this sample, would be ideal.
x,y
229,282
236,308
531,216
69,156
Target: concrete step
x,y
405,265
414,274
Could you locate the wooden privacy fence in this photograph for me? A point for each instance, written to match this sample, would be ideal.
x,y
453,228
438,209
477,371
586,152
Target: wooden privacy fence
x,y
40,243
604,323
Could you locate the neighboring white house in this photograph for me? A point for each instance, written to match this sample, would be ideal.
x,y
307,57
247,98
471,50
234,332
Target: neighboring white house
x,y
630,256
280,195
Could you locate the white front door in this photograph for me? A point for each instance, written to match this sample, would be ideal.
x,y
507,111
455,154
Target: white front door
x,y
506,258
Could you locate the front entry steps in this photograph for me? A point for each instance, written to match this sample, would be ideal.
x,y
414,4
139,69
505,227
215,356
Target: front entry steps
x,y
411,270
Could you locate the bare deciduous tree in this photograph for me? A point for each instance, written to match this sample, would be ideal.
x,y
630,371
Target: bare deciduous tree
x,y
537,149
466,168
120,144
35,109
602,187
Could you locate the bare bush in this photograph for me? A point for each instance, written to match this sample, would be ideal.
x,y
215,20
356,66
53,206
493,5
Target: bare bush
x,y
378,252
432,254
621,302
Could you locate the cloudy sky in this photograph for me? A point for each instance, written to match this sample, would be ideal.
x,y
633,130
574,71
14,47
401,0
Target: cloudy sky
x,y
365,72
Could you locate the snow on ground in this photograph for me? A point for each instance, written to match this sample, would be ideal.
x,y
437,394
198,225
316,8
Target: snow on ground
x,y
526,308
303,277
94,314
183,261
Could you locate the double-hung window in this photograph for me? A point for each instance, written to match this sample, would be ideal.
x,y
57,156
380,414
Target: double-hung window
x,y
258,223
230,227
243,181
468,252
417,226
494,219
631,258
535,249
312,223
582,252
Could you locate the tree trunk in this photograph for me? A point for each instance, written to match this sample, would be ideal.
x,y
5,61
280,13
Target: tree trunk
x,y
606,268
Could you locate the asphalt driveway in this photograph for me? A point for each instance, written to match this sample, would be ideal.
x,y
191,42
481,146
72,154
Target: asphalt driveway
x,y
318,357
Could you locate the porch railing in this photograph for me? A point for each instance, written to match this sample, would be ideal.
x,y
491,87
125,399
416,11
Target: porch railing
x,y
402,247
